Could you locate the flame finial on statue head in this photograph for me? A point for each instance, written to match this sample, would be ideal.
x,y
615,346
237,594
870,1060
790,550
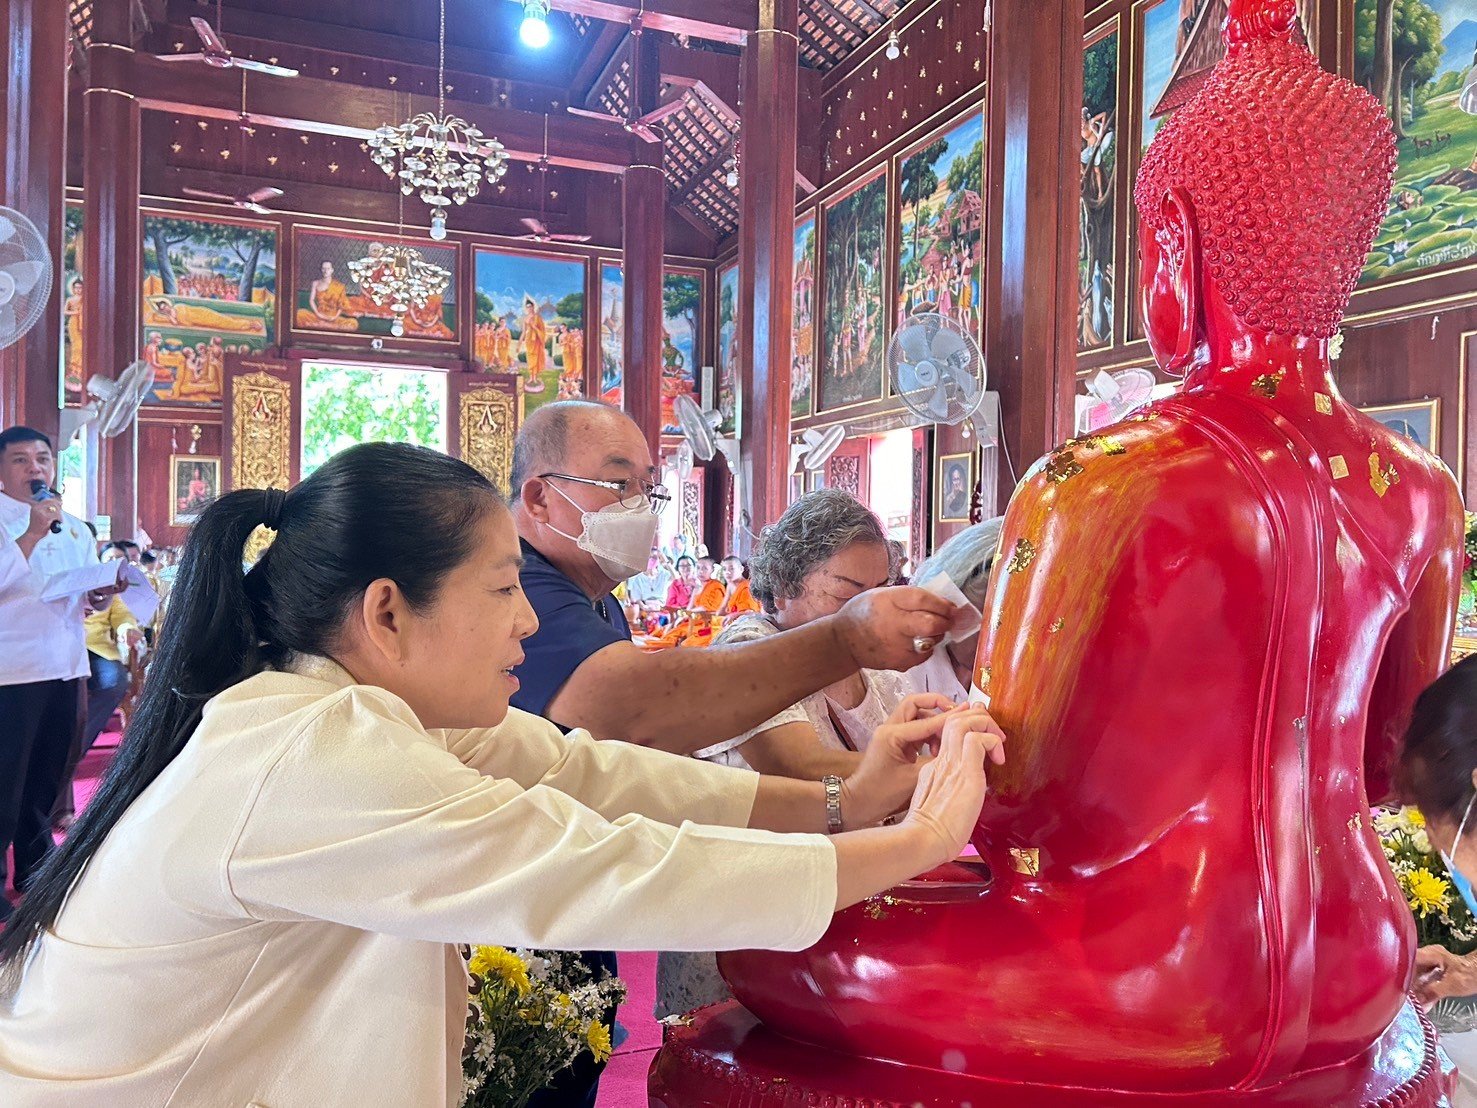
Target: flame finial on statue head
x,y
1289,169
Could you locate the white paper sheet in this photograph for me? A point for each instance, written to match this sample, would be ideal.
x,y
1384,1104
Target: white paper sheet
x,y
83,579
966,616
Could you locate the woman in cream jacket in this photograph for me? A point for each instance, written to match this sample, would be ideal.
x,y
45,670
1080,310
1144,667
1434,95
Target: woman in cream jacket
x,y
323,791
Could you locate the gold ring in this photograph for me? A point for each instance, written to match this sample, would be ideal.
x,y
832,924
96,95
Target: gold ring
x,y
924,646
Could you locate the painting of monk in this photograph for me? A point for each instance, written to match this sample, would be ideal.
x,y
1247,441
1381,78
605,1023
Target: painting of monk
x,y
327,298
208,286
682,312
72,305
530,321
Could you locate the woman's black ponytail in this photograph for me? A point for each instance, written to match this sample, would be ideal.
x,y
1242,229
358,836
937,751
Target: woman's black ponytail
x,y
375,510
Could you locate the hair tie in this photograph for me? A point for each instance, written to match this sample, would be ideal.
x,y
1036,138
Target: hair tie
x,y
272,508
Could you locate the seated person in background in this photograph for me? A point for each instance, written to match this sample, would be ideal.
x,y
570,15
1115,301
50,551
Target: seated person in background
x,y
825,549
108,683
679,594
965,560
739,598
649,590
710,588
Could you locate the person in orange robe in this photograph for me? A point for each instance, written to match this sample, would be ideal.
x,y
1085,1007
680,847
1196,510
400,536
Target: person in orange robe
x,y
711,589
707,596
739,598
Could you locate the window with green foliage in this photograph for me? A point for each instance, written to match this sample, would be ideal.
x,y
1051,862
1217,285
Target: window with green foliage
x,y
348,404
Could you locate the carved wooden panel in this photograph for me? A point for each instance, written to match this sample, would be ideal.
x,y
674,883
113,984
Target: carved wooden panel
x,y
261,431
486,441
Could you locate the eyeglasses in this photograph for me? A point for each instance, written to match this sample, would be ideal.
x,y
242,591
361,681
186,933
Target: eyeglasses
x,y
651,496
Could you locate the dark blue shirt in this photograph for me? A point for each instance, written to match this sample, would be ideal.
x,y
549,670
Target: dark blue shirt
x,y
571,627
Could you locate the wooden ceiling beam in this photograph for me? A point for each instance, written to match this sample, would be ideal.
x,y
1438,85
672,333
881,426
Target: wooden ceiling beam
x,y
323,107
598,64
730,21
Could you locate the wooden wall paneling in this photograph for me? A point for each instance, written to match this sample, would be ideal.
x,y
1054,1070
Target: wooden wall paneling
x,y
271,423
482,416
163,433
33,108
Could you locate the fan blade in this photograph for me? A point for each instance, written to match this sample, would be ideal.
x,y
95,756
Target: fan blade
x,y
945,345
7,324
914,342
25,274
586,113
256,208
179,57
535,225
665,110
212,41
645,133
569,238
201,194
261,196
7,229
263,67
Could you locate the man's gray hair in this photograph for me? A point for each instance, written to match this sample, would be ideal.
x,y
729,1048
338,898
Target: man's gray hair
x,y
813,529
543,440
966,560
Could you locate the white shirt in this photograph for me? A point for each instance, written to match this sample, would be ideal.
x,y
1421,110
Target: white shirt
x,y
272,921
885,691
935,674
40,640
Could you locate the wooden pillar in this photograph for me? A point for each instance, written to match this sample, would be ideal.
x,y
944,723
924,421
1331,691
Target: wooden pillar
x,y
111,260
33,106
643,243
1035,101
771,74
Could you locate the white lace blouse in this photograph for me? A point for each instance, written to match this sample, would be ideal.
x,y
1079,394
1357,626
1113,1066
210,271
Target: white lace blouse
x,y
885,690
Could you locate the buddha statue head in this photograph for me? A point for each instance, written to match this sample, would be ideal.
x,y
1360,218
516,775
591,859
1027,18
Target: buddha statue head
x,y
1259,199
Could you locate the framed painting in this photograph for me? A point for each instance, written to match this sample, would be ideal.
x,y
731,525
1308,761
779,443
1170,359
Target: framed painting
x,y
209,289
728,347
529,320
612,333
327,300
955,484
194,481
1417,70
1098,194
941,210
1417,420
71,278
682,315
802,370
853,333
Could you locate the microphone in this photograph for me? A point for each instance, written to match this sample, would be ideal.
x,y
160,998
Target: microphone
x,y
40,492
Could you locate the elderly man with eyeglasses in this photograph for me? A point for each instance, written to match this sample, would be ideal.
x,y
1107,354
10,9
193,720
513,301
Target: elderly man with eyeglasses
x,y
586,502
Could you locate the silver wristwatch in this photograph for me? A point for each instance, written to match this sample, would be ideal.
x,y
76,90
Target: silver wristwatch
x,y
833,803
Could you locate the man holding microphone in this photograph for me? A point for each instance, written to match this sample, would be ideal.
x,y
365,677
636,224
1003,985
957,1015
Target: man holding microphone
x,y
43,653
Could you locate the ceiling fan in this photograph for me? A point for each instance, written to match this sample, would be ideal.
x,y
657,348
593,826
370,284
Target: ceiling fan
x,y
250,200
538,229
638,125
216,53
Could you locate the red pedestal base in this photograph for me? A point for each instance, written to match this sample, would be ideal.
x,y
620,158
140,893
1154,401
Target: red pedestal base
x,y
727,1059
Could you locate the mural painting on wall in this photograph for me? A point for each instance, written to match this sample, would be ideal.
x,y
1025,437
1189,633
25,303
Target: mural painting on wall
x,y
851,316
210,289
802,372
728,347
612,334
682,314
940,185
530,314
1182,41
1416,57
327,299
72,306
1097,198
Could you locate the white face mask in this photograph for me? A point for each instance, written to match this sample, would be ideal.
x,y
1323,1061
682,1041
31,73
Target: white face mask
x,y
619,538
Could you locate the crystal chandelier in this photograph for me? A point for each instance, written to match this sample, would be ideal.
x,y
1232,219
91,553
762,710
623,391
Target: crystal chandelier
x,y
443,157
397,277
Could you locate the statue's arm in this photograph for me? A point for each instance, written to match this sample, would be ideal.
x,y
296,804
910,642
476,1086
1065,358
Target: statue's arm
x,y
1417,652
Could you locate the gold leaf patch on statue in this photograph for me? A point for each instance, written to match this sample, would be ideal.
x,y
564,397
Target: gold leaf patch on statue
x,y
1022,556
1267,384
1062,466
1381,478
1338,467
1026,860
1323,402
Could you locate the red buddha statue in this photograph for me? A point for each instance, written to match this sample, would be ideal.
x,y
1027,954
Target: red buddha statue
x,y
1205,628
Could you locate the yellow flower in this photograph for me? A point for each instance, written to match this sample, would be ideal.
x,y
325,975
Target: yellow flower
x,y
598,1036
1416,817
1427,892
496,962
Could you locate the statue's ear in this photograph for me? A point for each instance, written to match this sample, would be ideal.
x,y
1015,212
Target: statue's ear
x,y
1181,247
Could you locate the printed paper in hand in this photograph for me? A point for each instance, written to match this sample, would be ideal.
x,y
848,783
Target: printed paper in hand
x,y
967,617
